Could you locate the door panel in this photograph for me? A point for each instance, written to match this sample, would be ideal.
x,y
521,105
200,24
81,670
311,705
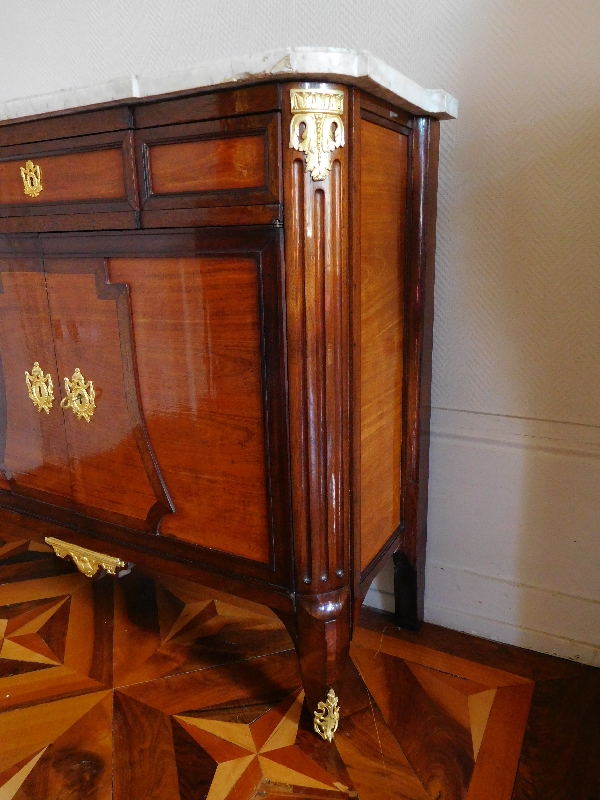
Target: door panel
x,y
113,472
32,443
197,331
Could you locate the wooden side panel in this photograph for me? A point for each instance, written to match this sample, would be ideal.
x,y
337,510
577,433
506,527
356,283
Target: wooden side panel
x,y
89,328
384,160
32,443
67,178
198,345
410,560
207,165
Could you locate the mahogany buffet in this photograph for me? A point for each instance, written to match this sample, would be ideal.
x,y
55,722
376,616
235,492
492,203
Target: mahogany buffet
x,y
215,335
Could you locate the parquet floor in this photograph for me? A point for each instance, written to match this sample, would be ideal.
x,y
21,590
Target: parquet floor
x,y
147,687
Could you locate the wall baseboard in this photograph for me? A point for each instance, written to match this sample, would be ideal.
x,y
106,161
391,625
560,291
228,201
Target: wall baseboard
x,y
496,630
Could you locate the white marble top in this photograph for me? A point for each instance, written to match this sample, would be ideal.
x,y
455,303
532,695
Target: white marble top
x,y
359,68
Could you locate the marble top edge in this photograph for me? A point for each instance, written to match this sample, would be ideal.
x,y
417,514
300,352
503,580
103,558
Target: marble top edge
x,y
338,65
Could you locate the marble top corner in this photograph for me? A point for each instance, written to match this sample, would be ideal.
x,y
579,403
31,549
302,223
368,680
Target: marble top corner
x,y
358,68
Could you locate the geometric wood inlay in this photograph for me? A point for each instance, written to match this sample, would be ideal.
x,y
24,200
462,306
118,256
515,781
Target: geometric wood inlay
x,y
154,687
468,702
9,789
480,706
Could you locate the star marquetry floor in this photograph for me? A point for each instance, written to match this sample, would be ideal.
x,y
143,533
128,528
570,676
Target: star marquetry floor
x,y
151,688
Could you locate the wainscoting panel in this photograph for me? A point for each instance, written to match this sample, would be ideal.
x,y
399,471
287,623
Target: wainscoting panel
x,y
513,547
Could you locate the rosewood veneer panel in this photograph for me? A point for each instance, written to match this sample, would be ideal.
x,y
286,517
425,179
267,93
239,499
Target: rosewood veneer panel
x,y
200,374
384,157
109,221
212,215
61,126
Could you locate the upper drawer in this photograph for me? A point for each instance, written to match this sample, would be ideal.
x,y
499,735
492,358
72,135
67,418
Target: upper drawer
x,y
227,162
43,184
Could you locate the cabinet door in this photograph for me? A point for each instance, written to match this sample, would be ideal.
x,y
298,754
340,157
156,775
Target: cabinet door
x,y
182,336
33,452
208,326
113,472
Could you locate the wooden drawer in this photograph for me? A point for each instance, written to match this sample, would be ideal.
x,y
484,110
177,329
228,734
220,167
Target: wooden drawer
x,y
51,185
210,165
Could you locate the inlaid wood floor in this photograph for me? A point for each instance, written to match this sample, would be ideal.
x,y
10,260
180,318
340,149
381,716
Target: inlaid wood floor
x,y
150,687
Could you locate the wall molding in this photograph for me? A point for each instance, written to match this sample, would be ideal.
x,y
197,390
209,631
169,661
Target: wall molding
x,y
552,436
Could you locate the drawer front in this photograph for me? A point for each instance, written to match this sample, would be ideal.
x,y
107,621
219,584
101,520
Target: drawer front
x,y
230,162
86,175
208,165
65,179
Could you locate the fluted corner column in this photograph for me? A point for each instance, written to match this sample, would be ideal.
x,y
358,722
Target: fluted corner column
x,y
317,287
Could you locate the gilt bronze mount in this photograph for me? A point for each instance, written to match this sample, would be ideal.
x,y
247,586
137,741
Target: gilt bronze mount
x,y
321,114
32,179
87,561
40,387
80,396
327,717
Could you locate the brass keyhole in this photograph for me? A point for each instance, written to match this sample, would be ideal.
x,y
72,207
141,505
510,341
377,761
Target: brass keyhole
x,y
40,388
32,179
80,396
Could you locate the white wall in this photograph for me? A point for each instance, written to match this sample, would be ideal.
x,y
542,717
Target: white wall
x,y
514,544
